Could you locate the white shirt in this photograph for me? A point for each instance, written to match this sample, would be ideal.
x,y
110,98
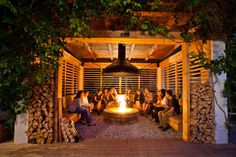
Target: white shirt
x,y
164,102
85,101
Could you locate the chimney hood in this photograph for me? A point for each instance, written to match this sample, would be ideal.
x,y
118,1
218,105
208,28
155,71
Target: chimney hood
x,y
121,66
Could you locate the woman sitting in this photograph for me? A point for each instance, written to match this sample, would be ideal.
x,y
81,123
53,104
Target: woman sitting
x,y
76,107
148,101
85,103
139,100
112,98
105,97
98,101
128,98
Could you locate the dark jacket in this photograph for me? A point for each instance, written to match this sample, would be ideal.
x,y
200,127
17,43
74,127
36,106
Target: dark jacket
x,y
174,103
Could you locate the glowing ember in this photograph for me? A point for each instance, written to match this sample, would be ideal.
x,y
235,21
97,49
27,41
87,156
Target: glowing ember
x,y
122,103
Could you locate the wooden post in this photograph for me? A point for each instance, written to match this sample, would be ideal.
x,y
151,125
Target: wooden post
x,y
101,79
138,82
81,78
120,85
159,78
186,93
58,104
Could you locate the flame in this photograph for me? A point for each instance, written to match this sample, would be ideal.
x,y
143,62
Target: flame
x,y
122,103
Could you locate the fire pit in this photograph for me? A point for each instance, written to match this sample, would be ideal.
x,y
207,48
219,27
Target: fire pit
x,y
121,114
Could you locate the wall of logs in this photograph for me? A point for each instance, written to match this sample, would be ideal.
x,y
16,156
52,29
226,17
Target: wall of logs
x,y
41,113
202,123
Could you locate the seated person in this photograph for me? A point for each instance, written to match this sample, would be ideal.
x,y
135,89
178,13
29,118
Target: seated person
x,y
85,103
148,101
139,100
160,104
172,109
112,98
77,108
105,99
98,101
128,98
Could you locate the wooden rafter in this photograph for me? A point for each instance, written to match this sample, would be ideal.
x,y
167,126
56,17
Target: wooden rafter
x,y
154,47
131,51
90,50
163,41
110,51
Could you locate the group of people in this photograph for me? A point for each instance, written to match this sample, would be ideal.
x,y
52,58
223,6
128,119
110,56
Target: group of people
x,y
157,109
160,109
81,105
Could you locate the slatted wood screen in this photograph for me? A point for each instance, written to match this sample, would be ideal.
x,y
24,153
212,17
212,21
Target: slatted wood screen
x,y
197,72
179,77
148,79
110,82
172,76
165,77
92,77
129,82
70,76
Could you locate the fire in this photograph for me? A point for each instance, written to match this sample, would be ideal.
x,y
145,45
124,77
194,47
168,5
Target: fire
x,y
122,103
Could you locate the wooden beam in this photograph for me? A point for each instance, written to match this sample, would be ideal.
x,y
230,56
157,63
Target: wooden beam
x,y
186,93
90,50
131,51
134,60
160,14
110,51
163,41
154,47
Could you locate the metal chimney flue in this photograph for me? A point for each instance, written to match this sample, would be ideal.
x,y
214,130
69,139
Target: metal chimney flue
x,y
121,66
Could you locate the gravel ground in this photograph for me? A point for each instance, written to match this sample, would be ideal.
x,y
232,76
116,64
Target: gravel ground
x,y
143,129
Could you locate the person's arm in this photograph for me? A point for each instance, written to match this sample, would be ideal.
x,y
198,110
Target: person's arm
x,y
113,97
166,109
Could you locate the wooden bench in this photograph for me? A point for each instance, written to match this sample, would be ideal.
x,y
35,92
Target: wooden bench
x,y
74,117
176,122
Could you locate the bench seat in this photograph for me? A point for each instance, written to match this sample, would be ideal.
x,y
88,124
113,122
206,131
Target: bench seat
x,y
175,122
73,117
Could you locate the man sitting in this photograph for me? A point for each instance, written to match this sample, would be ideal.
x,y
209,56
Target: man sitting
x,y
172,109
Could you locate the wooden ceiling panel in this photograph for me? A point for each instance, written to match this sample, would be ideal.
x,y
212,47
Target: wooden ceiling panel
x,y
108,48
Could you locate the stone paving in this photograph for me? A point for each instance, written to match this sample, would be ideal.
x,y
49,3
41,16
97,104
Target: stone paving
x,y
143,129
118,148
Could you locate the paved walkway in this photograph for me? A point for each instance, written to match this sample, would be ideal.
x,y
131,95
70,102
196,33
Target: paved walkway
x,y
118,148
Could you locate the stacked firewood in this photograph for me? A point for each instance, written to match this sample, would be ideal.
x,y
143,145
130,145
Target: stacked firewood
x,y
41,114
202,124
69,133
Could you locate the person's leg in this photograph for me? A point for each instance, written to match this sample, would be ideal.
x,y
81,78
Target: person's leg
x,y
160,113
157,109
99,107
84,114
165,119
